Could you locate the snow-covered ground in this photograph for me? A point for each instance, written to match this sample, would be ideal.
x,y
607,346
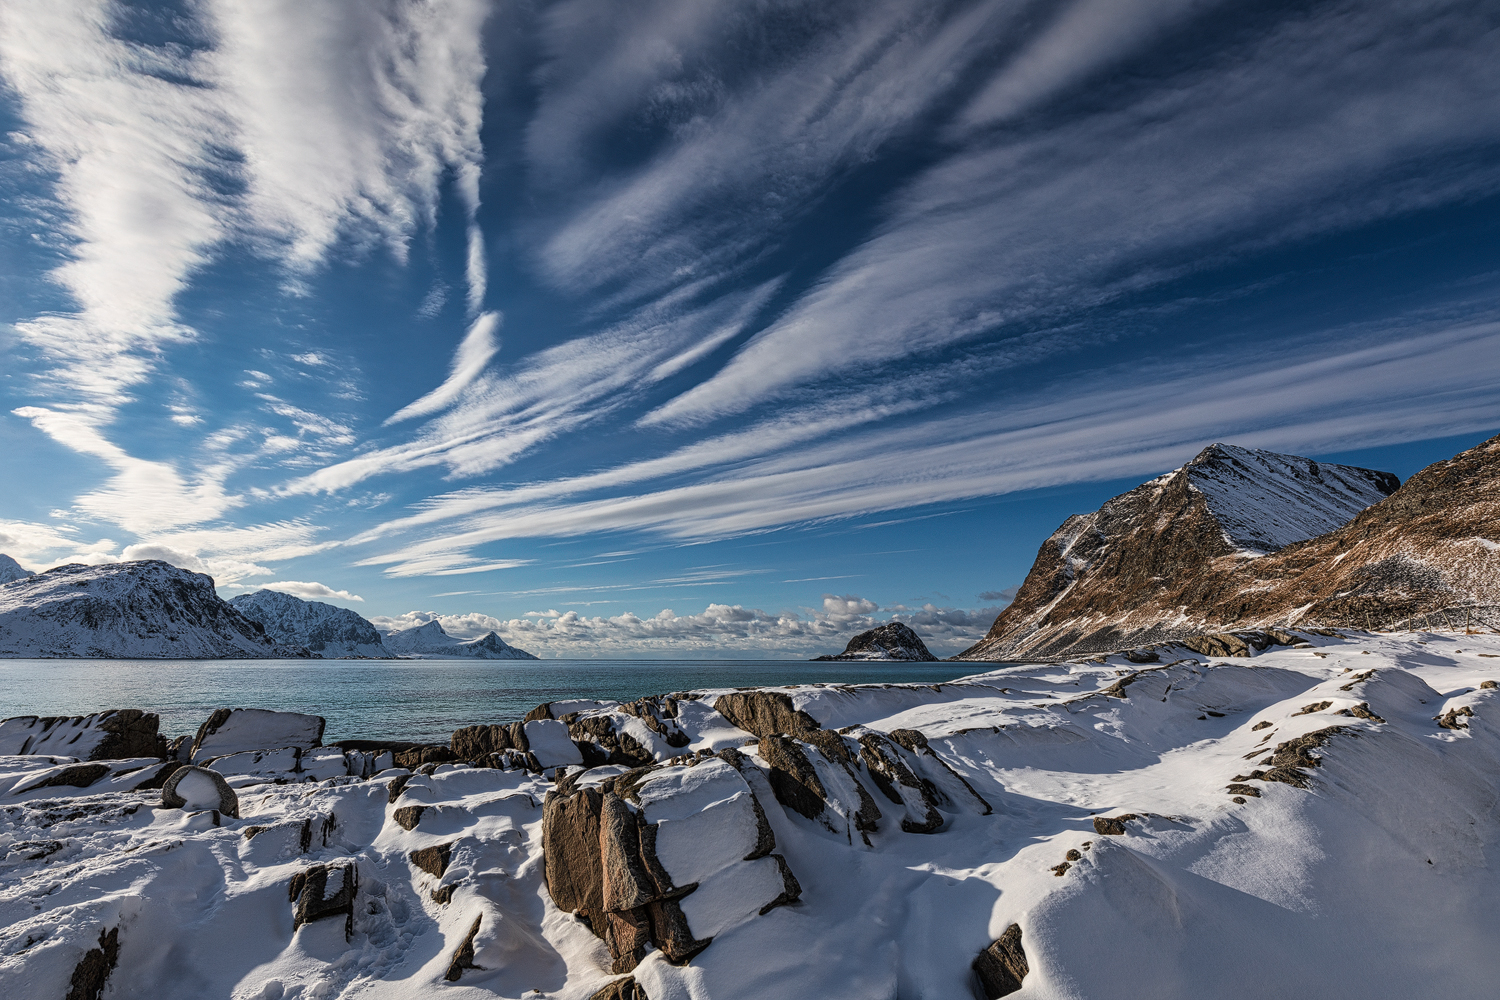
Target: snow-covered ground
x,y
1304,822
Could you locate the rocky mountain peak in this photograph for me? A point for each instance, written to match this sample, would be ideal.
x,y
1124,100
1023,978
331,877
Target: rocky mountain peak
x,y
11,570
329,631
140,610
1227,503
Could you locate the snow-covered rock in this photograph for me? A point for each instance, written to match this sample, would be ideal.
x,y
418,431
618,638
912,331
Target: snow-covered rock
x,y
328,631
430,642
1101,827
894,641
110,735
11,570
233,730
129,610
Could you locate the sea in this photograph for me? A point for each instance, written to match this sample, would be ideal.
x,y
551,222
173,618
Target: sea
x,y
402,699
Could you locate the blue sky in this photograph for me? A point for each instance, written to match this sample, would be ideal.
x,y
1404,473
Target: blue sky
x,y
785,317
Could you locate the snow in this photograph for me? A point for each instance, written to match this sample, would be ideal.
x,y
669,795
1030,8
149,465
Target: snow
x,y
257,729
1265,501
430,642
1373,881
11,570
28,734
549,740
198,792
327,631
128,610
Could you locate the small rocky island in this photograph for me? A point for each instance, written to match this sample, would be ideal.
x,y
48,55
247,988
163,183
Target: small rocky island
x,y
894,641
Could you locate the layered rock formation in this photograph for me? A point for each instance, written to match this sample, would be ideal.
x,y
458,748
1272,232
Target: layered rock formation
x,y
894,641
129,610
430,642
326,630
1159,563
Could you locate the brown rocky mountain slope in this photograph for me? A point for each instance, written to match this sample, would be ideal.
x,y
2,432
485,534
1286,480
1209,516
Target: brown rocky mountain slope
x,y
1153,565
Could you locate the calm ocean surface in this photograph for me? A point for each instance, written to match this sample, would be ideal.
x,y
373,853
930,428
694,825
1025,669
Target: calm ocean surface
x,y
403,699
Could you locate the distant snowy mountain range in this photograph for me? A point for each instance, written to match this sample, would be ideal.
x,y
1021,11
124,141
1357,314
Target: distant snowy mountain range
x,y
329,631
153,610
430,642
132,610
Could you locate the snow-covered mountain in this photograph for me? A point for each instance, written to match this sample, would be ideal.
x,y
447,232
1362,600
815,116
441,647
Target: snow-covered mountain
x,y
895,641
430,642
1097,571
129,610
329,631
1140,572
11,570
1315,822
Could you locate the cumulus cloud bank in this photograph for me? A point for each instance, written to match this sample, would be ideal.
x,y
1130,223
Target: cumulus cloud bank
x,y
717,630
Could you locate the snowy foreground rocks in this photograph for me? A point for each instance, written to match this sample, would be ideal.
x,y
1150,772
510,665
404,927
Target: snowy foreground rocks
x,y
1309,819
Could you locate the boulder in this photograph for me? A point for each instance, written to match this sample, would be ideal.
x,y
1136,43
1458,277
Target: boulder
x,y
432,860
195,788
112,735
917,796
621,989
1001,967
819,780
463,955
665,855
231,730
322,891
764,713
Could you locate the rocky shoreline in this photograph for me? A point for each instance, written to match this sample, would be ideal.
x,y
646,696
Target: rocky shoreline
x,y
948,840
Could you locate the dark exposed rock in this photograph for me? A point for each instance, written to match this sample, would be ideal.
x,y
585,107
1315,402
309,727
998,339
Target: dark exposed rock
x,y
324,891
1453,718
1362,711
1002,966
229,803
791,888
393,792
792,776
1485,685
626,882
893,641
159,776
1112,826
463,955
628,935
764,713
602,742
77,776
432,860
573,870
1290,760
92,971
1141,655
913,740
1259,726
621,989
670,931
888,771
432,753
1241,789
407,817
1316,706
471,742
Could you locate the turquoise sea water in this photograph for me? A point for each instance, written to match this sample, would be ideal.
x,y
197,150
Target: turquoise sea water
x,y
403,699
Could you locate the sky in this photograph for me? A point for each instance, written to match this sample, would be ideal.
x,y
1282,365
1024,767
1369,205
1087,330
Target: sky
x,y
715,328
